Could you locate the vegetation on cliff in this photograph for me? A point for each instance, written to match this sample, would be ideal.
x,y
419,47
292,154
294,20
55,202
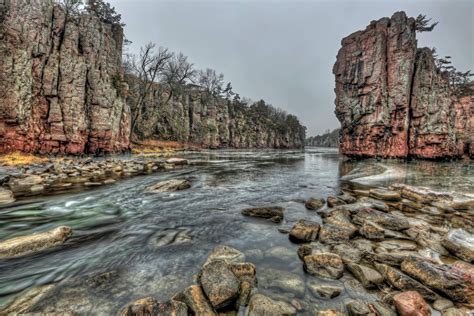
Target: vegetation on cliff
x,y
328,139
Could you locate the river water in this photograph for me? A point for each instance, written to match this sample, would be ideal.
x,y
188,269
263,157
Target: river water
x,y
128,244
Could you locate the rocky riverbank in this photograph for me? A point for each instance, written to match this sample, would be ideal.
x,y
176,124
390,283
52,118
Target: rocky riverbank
x,y
388,250
57,175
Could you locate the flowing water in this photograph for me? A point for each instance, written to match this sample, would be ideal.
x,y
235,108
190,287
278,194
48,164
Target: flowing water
x,y
128,244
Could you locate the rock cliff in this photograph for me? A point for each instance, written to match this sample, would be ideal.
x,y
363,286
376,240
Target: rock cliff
x,y
330,139
391,99
197,117
61,79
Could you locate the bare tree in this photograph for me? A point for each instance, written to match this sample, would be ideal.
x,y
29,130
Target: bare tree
x,y
422,24
178,72
210,81
147,67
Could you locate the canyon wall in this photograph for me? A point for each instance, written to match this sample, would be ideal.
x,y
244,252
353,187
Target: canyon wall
x,y
196,117
61,81
330,139
391,99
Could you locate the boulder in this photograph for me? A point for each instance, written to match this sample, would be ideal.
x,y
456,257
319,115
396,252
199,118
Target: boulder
x,y
403,282
443,278
24,245
169,186
284,281
6,196
442,304
356,308
273,213
219,283
246,273
304,231
340,218
347,251
372,231
347,198
196,300
411,303
383,219
149,306
369,277
226,253
385,194
460,243
314,204
261,305
323,290
334,201
325,265
331,234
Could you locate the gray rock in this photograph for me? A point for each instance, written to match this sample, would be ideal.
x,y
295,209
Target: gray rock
x,y
169,186
261,305
324,290
284,281
442,304
369,277
219,283
460,243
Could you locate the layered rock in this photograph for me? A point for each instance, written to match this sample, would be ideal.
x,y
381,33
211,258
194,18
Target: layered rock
x,y
330,139
391,99
194,116
61,81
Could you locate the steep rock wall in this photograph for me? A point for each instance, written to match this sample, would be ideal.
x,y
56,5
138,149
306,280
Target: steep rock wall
x,y
392,101
61,78
196,117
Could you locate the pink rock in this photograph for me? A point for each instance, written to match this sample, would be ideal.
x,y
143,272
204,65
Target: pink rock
x,y
411,303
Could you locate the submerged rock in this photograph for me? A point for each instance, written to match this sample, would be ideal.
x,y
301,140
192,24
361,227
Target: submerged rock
x,y
442,304
177,161
324,290
460,243
196,300
411,303
24,245
219,283
334,201
284,281
149,306
274,213
225,253
384,194
356,308
403,282
304,250
369,277
304,231
169,186
261,305
325,265
314,204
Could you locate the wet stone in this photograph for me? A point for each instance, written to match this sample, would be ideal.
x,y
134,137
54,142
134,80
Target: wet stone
x,y
330,312
261,305
149,306
219,283
356,308
304,250
314,204
442,304
226,253
369,277
331,234
333,201
325,265
6,196
372,231
169,186
304,231
384,194
282,280
273,213
385,220
460,243
324,290
195,299
411,303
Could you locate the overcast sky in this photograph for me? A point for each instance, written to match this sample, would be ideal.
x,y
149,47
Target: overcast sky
x,y
283,51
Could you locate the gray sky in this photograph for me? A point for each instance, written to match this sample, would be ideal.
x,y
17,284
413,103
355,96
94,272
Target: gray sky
x,y
283,51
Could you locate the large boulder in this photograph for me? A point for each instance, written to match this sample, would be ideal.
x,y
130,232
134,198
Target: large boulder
x,y
325,265
304,231
24,245
169,186
219,283
460,243
261,305
442,278
273,213
411,303
403,282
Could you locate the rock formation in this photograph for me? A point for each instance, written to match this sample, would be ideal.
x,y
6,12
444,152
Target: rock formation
x,y
197,117
330,139
391,99
61,81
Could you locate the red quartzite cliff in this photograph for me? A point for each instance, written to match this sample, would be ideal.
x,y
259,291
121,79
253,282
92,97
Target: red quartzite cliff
x,y
61,78
393,102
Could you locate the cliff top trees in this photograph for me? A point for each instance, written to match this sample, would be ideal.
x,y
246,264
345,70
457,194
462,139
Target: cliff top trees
x,y
104,11
422,24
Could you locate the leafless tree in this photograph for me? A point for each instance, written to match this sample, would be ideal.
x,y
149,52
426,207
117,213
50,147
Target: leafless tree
x,y
422,24
147,67
178,72
210,81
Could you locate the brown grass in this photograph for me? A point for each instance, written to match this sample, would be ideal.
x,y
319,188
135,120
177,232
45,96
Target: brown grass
x,y
20,159
160,147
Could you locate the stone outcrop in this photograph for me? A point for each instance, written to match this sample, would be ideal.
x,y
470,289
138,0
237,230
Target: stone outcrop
x,y
330,139
391,99
62,84
193,116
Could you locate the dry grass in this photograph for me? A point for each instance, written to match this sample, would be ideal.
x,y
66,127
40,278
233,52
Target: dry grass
x,y
20,159
160,148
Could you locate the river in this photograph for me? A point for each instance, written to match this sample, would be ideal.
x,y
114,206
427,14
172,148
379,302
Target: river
x,y
128,244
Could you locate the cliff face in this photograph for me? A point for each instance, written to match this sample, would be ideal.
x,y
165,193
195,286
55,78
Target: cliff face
x,y
61,77
330,139
196,117
392,101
